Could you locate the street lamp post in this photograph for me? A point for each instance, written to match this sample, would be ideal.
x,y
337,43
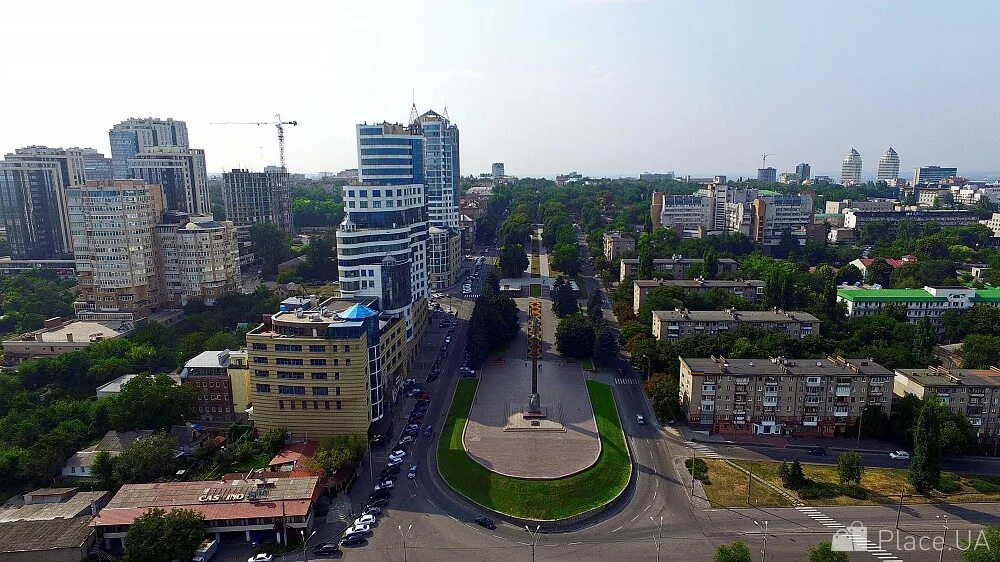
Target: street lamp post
x,y
656,537
403,534
305,541
763,529
534,537
944,524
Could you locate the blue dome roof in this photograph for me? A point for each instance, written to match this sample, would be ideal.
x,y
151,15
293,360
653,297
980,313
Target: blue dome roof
x,y
357,312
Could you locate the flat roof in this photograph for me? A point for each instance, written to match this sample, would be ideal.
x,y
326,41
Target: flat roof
x,y
893,295
40,536
77,503
631,261
941,376
739,315
209,359
782,366
694,283
215,500
115,386
988,294
81,330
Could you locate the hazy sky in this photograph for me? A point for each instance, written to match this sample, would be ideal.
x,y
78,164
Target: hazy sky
x,y
602,87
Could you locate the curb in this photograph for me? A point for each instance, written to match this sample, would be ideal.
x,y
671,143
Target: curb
x,y
790,446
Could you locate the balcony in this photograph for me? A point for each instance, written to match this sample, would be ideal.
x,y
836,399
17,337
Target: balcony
x,y
976,422
812,382
707,401
810,421
841,412
708,390
743,380
978,392
770,400
811,400
770,380
843,390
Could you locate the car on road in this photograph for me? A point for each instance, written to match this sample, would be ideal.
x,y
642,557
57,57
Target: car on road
x,y
410,432
389,471
413,472
428,431
451,330
396,461
376,511
424,396
262,557
327,549
399,456
423,402
431,377
385,485
358,530
444,324
405,440
377,503
447,339
382,494
640,419
409,382
816,451
415,391
484,521
352,540
413,426
367,519
899,455
376,438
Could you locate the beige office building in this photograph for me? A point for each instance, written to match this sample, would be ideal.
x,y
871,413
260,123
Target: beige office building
x,y
199,256
676,324
778,396
974,393
443,256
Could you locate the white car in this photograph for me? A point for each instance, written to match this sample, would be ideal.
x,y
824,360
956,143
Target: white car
x,y
358,530
899,455
262,557
385,485
366,519
447,339
397,458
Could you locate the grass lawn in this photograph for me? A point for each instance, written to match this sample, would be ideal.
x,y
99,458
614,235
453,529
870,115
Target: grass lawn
x,y
878,486
535,290
727,487
537,499
587,363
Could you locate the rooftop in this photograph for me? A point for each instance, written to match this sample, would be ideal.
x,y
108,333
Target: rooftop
x,y
211,359
39,536
777,366
81,331
893,295
943,376
77,504
740,315
694,283
115,386
656,261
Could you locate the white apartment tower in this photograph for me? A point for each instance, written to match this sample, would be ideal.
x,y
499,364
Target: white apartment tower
x,y
888,167
112,225
850,172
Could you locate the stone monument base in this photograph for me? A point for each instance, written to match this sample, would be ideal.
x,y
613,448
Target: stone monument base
x,y
519,418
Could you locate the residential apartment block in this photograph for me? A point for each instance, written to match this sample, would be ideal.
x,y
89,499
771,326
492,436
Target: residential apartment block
x,y
675,266
854,218
888,167
752,291
443,256
928,302
779,396
208,374
617,244
325,368
181,172
132,136
199,256
258,197
974,393
676,324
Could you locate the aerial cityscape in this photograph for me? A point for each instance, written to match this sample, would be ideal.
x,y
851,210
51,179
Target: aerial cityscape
x,y
678,290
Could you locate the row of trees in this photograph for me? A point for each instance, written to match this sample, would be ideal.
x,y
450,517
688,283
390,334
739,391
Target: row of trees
x,y
583,335
494,322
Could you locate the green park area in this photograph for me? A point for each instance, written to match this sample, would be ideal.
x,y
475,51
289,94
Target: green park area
x,y
537,499
726,482
535,290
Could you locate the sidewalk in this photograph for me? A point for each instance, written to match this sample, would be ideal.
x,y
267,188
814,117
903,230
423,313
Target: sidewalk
x,y
789,441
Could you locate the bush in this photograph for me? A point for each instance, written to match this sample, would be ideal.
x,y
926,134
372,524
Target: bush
x,y
791,474
819,490
856,492
850,467
985,484
949,483
700,469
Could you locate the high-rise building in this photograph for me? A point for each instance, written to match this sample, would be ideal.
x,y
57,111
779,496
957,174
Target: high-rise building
x,y
443,257
132,136
497,170
199,257
33,184
773,215
180,171
325,368
888,167
850,172
803,170
258,197
932,174
97,167
441,167
112,224
382,241
767,175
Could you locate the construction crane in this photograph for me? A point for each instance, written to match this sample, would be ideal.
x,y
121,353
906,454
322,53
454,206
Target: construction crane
x,y
763,160
281,132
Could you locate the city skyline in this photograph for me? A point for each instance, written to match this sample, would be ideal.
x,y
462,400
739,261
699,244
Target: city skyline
x,y
550,114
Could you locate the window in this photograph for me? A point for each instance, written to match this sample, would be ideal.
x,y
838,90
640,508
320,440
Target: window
x,y
347,362
259,347
336,362
283,389
260,360
287,361
338,391
321,391
316,362
336,376
291,375
319,348
260,373
263,388
326,404
287,347
319,376
347,348
338,404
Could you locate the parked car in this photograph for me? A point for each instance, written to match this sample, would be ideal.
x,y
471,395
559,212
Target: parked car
x,y
370,510
413,472
432,377
640,419
379,495
816,451
899,455
262,557
411,432
386,484
397,456
428,431
484,521
377,503
447,339
409,382
352,540
327,549
367,519
406,440
395,462
423,401
389,471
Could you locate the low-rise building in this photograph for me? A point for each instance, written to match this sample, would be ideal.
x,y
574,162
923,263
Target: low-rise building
x,y
253,509
928,302
875,205
854,218
841,235
115,386
992,223
675,266
59,336
752,291
974,393
617,244
864,263
50,524
113,443
208,375
64,269
779,396
675,324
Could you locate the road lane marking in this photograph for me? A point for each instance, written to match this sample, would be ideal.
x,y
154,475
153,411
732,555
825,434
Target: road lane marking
x,y
618,529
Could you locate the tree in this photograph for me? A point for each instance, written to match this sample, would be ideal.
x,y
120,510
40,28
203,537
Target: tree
x,y
145,460
645,270
271,245
850,467
595,308
979,352
823,552
575,336
605,345
148,402
710,267
664,394
791,474
566,258
513,260
879,272
925,467
337,451
737,551
563,297
103,467
157,536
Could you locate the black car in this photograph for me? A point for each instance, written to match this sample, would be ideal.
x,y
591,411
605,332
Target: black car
x,y
327,548
412,431
484,521
382,494
419,410
380,502
389,471
431,377
371,510
352,540
423,402
816,451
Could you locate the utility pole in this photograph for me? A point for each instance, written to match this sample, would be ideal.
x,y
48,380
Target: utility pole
x,y
403,534
305,541
899,510
534,538
750,482
944,536
658,535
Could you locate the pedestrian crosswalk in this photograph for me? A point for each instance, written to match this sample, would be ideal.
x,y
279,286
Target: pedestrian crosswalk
x,y
703,450
857,536
626,380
